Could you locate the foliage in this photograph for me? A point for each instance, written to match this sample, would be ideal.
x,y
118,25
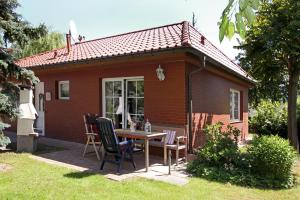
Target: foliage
x,y
14,31
236,17
221,160
273,158
48,42
4,140
271,53
220,149
14,28
269,118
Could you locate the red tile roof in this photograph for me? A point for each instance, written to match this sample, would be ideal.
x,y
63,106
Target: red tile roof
x,y
154,39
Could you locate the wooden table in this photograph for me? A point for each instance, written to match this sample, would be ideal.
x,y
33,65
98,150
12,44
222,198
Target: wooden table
x,y
126,133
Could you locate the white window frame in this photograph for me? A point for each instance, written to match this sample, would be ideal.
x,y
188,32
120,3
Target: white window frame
x,y
59,90
231,101
122,79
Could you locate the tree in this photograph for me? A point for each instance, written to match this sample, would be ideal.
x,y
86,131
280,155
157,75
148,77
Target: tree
x,y
49,42
272,49
14,30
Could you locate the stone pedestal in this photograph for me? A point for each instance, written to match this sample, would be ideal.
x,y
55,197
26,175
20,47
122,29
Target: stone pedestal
x,y
27,143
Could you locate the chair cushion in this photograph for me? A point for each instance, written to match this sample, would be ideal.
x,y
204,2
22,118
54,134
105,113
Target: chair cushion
x,y
170,137
125,145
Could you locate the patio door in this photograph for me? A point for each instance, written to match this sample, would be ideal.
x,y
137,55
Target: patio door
x,y
123,101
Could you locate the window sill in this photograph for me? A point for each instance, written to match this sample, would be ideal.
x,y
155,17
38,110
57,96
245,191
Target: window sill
x,y
235,121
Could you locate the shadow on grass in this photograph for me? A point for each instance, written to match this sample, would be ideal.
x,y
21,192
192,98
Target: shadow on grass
x,y
41,148
79,175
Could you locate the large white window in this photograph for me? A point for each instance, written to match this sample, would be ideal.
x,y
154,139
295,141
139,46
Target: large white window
x,y
63,89
235,105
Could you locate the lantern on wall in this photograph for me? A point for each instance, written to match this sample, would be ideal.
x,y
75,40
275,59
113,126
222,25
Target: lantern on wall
x,y
160,73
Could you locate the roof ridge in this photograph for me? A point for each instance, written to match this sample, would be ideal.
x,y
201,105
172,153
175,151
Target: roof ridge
x,y
130,32
220,50
185,34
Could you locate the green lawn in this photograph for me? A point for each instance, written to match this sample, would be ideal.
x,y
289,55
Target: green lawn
x,y
31,179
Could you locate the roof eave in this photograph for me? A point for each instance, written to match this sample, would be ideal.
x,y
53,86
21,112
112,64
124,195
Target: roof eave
x,y
224,67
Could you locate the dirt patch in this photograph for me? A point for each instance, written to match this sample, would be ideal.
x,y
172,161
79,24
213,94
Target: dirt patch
x,y
5,167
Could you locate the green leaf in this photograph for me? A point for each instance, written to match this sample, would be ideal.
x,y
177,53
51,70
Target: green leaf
x,y
228,7
249,14
243,4
230,30
3,64
254,4
223,28
240,25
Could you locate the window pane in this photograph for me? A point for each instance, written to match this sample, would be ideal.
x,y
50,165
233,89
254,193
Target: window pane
x,y
140,89
109,115
116,104
117,88
131,90
64,89
231,105
109,105
131,105
236,105
140,106
109,88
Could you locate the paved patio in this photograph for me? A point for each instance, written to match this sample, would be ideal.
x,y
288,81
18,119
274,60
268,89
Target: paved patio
x,y
71,157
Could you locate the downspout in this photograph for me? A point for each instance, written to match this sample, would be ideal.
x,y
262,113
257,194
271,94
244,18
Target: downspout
x,y
190,105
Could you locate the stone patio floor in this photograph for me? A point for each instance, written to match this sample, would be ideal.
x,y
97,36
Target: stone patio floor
x,y
70,156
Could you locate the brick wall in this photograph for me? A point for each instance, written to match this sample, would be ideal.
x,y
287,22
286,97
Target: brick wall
x,y
164,100
211,103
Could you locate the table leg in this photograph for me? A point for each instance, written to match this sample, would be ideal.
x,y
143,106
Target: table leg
x,y
146,154
165,151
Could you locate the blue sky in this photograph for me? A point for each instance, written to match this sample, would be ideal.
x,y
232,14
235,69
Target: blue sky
x,y
99,18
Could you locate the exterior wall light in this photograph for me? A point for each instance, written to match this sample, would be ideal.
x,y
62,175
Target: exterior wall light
x,y
160,73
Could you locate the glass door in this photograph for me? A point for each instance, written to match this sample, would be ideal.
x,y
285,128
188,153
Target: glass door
x,y
119,92
113,101
135,102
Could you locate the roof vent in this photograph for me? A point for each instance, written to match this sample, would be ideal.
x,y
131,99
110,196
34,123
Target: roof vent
x,y
202,40
68,39
55,54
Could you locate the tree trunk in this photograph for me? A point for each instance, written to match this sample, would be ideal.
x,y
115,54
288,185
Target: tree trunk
x,y
292,109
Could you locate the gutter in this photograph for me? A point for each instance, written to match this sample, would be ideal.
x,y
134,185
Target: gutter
x,y
190,105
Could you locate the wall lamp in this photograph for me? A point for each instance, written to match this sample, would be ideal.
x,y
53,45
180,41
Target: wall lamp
x,y
160,73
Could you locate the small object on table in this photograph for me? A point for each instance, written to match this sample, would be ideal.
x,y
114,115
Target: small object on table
x,y
147,127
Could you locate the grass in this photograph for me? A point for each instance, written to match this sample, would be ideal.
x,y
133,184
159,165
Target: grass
x,y
31,179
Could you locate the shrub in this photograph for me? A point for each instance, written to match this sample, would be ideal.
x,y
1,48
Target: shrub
x,y
4,140
272,158
269,118
267,162
220,149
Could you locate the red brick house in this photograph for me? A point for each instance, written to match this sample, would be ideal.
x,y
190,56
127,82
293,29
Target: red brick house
x,y
118,74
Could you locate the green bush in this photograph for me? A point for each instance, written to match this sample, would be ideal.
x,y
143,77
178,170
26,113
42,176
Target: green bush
x,y
220,149
266,163
4,140
271,157
269,118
